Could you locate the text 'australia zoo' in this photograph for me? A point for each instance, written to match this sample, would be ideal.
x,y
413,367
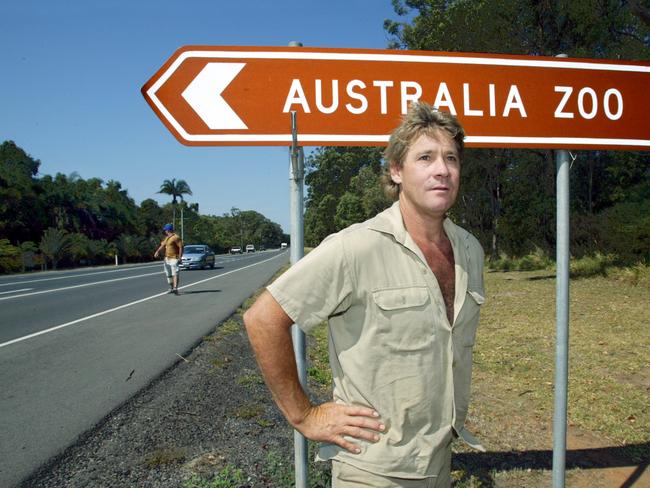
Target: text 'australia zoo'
x,y
467,99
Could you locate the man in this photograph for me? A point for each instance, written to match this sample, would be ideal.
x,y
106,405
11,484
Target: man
x,y
401,293
173,247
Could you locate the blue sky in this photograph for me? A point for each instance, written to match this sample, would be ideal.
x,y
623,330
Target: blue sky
x,y
72,73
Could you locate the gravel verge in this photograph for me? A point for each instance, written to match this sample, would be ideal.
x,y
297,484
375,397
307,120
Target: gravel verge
x,y
205,417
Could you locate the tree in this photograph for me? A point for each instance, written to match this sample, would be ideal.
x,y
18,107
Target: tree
x,y
150,218
349,210
19,203
129,246
507,196
176,189
331,173
9,256
55,245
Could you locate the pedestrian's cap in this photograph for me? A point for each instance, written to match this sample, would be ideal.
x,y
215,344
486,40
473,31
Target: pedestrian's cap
x,y
169,227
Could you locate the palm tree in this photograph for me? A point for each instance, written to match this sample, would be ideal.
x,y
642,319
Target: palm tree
x,y
55,244
175,189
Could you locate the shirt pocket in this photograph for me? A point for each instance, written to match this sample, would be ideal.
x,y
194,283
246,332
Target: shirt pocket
x,y
467,322
404,318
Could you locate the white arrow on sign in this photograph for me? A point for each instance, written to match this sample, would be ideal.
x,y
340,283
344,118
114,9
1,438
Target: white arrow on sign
x,y
204,95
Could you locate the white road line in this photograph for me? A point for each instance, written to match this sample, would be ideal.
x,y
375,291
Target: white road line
x,y
77,286
99,314
88,273
15,291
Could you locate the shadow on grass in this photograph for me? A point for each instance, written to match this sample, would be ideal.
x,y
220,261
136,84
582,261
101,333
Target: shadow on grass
x,y
482,465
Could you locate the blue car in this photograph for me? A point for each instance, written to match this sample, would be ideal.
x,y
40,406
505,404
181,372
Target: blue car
x,y
197,256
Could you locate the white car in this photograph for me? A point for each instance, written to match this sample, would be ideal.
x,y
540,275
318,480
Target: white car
x,y
250,248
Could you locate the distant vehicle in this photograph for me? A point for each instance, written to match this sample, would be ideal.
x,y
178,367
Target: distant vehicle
x,y
262,247
283,245
235,250
198,256
250,248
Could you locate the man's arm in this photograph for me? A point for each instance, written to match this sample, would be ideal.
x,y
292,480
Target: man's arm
x,y
157,251
269,331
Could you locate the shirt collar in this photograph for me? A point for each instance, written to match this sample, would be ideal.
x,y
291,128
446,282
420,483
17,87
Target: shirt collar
x,y
390,221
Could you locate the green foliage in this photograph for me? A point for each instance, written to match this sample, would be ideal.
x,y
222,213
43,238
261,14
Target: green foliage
x,y
622,229
343,188
241,227
228,477
175,188
94,220
55,245
250,380
589,28
165,456
18,193
280,471
536,260
508,197
131,246
588,266
349,210
9,257
319,369
637,275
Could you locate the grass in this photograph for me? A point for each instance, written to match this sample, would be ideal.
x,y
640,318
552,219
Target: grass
x,y
248,411
513,379
165,456
228,327
250,380
228,477
608,343
514,368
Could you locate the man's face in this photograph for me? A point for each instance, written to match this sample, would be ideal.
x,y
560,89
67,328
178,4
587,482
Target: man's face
x,y
430,175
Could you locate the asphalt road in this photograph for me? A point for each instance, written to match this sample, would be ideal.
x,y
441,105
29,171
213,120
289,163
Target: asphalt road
x,y
75,345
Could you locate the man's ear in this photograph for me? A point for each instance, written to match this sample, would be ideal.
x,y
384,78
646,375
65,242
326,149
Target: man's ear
x,y
395,173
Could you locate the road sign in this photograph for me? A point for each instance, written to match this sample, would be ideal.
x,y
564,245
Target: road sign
x,y
214,95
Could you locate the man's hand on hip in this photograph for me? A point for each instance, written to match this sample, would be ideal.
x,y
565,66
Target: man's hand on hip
x,y
332,422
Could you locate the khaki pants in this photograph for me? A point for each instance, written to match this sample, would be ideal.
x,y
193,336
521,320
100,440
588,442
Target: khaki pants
x,y
347,476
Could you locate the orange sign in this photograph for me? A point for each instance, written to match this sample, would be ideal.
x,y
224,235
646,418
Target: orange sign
x,y
212,95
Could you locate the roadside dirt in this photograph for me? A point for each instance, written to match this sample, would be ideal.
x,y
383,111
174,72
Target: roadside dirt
x,y
212,412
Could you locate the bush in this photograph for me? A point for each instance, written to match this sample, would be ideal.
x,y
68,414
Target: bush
x,y
637,275
536,260
596,264
10,257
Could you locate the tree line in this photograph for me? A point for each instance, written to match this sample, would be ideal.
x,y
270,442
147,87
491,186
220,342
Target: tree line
x,y
54,221
508,196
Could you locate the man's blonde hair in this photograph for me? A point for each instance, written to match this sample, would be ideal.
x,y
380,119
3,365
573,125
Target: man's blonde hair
x,y
421,118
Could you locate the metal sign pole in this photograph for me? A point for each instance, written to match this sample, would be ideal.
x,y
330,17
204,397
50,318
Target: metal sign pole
x,y
296,171
562,313
562,164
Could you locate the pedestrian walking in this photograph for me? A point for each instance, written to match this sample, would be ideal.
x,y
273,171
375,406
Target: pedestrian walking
x,y
173,246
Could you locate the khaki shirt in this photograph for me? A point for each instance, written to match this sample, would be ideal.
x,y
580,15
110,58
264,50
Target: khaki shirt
x,y
391,345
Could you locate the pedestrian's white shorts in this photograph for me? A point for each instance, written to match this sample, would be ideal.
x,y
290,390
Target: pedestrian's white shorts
x,y
171,266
